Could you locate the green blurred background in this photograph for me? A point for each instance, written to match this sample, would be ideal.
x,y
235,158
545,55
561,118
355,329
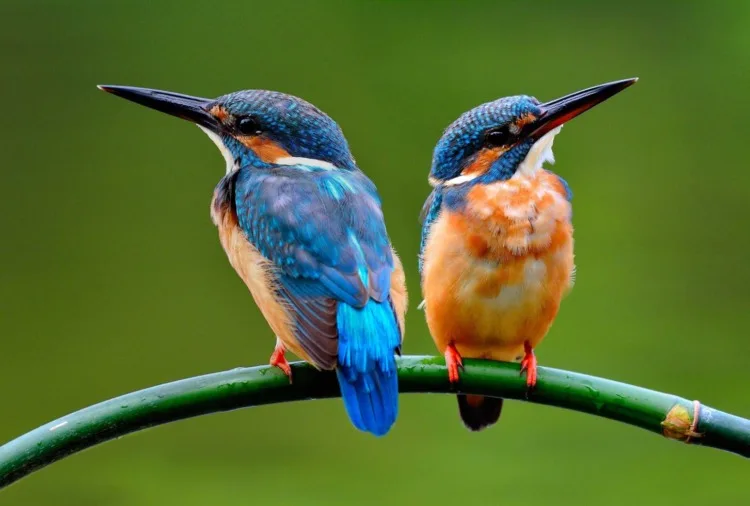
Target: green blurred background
x,y
113,279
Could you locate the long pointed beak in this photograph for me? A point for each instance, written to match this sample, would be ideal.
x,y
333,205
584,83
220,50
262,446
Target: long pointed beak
x,y
562,110
193,109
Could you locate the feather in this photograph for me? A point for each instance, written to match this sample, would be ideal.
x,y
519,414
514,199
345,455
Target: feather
x,y
332,271
314,317
368,339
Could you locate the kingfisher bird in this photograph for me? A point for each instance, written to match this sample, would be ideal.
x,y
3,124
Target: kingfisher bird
x,y
496,255
303,227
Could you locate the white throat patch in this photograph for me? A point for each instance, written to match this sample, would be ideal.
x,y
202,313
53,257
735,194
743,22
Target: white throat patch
x,y
540,153
231,166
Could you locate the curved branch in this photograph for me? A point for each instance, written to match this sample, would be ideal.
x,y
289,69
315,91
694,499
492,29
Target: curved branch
x,y
671,416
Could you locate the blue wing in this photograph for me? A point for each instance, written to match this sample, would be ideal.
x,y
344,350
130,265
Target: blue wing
x,y
324,231
430,212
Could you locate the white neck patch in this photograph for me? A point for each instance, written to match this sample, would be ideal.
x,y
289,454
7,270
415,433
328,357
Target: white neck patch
x,y
459,179
539,154
228,157
307,162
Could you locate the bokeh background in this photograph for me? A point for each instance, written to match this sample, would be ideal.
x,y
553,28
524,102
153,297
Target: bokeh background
x,y
112,277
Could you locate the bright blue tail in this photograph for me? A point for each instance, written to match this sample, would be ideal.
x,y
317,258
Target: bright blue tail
x,y
368,338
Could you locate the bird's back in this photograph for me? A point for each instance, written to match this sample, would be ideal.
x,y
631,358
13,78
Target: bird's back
x,y
304,242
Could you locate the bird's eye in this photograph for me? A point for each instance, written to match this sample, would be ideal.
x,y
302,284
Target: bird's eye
x,y
248,126
500,136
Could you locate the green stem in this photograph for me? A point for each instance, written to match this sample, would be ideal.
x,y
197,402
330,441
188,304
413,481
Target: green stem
x,y
658,412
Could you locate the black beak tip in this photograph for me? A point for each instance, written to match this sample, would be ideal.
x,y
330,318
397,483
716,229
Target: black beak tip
x,y
117,90
618,86
629,82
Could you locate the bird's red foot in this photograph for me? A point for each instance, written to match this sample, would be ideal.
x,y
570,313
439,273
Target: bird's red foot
x,y
453,362
528,364
278,359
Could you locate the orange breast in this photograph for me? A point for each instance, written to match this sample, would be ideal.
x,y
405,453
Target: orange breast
x,y
494,274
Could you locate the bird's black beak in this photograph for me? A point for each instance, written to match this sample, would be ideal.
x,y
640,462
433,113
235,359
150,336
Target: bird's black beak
x,y
193,109
562,110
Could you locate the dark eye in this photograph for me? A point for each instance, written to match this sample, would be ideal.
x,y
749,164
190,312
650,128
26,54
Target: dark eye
x,y
248,126
496,137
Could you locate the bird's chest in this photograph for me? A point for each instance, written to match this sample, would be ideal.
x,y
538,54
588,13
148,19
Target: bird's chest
x,y
504,260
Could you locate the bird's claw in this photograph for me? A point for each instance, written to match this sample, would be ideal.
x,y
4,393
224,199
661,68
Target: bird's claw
x,y
453,362
278,359
528,365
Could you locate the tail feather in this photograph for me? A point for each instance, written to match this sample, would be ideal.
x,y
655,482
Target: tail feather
x,y
478,412
368,338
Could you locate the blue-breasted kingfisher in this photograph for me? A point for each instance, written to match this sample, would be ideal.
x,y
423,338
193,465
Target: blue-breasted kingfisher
x,y
497,240
303,227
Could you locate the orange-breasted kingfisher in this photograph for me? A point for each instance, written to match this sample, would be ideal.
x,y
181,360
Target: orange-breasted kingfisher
x,y
303,227
497,239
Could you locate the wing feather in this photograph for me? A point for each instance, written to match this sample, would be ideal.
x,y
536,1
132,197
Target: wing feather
x,y
325,234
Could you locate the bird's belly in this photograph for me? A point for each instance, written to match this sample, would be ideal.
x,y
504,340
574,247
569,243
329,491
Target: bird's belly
x,y
488,297
505,305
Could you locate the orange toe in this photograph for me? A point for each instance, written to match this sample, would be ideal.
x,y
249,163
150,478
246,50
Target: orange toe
x,y
278,359
453,362
528,364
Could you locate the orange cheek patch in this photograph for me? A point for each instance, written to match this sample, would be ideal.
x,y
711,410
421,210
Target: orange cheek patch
x,y
266,149
525,120
482,162
219,113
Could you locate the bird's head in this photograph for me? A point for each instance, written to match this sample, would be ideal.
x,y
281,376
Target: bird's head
x,y
494,141
255,127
